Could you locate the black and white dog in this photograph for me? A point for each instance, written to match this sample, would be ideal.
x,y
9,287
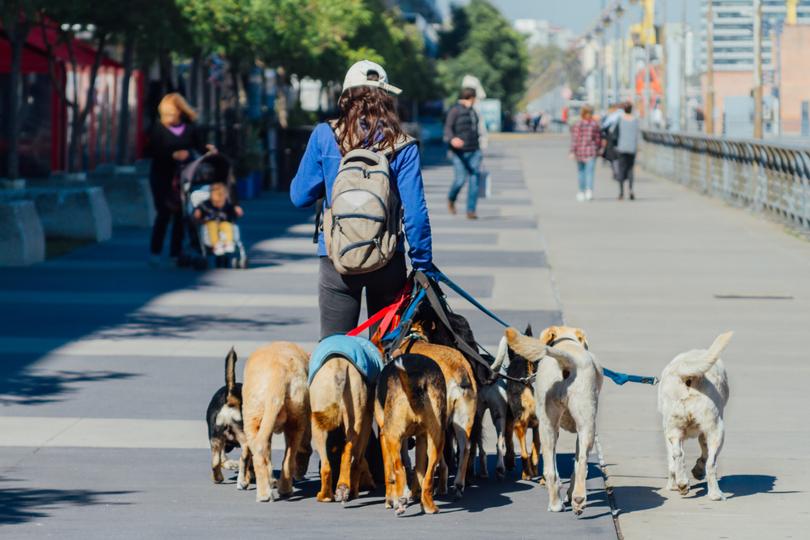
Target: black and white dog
x,y
224,417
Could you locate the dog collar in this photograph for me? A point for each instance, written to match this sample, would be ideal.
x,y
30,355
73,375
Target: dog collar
x,y
566,338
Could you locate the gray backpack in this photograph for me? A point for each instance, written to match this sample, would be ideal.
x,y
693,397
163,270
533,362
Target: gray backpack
x,y
361,229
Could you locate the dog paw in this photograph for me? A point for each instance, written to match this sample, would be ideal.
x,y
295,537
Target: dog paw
x,y
578,505
217,476
263,497
683,489
342,493
458,491
324,497
274,494
671,485
231,465
388,504
402,504
555,507
541,481
699,472
717,496
500,473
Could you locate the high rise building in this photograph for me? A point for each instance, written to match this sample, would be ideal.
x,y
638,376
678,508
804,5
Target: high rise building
x,y
734,32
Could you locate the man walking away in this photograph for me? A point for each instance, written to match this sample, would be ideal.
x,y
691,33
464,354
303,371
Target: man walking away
x,y
610,134
461,133
586,143
626,147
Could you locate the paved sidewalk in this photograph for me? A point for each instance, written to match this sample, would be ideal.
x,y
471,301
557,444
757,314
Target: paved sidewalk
x,y
643,278
106,368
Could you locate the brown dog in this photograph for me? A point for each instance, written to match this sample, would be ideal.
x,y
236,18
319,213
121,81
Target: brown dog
x,y
339,396
275,399
522,406
411,401
461,400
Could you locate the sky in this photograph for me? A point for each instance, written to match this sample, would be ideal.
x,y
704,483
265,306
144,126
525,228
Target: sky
x,y
579,15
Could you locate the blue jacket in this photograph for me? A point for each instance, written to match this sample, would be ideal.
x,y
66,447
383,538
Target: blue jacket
x,y
316,175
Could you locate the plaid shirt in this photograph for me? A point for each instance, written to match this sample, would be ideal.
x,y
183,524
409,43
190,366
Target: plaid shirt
x,y
586,140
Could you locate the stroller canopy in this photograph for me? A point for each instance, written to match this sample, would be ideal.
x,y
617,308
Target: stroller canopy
x,y
206,170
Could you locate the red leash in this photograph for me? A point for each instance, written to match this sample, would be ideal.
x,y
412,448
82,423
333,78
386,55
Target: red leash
x,y
387,315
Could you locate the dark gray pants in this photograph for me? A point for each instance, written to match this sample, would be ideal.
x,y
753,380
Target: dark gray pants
x,y
339,296
626,163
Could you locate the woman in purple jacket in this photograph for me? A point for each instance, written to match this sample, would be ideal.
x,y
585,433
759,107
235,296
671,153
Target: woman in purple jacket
x,y
367,118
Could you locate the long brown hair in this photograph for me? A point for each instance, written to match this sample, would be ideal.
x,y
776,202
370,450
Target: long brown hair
x,y
368,117
175,101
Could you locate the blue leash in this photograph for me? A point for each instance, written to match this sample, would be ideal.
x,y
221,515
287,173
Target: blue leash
x,y
615,376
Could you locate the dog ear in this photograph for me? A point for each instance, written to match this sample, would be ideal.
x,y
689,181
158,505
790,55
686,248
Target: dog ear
x,y
528,331
581,337
548,335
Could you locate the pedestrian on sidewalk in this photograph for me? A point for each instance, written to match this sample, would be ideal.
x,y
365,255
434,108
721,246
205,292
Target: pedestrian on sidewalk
x,y
367,119
626,147
586,144
461,133
610,132
171,142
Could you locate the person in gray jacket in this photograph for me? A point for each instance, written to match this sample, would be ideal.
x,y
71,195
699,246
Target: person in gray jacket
x,y
626,148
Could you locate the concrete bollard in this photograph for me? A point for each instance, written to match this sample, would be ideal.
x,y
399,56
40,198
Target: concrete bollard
x,y
80,213
128,195
22,240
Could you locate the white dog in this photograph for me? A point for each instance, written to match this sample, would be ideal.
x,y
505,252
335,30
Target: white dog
x,y
691,397
569,379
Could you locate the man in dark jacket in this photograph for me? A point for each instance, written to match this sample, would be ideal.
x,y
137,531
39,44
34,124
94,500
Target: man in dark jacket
x,y
461,133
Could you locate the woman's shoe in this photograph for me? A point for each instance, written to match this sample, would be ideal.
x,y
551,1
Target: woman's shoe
x,y
451,207
472,215
588,194
580,196
621,196
632,196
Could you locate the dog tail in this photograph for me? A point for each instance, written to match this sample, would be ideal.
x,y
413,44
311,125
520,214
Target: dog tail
x,y
230,372
404,379
566,360
699,366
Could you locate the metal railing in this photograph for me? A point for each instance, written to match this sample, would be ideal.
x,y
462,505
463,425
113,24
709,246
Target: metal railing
x,y
770,178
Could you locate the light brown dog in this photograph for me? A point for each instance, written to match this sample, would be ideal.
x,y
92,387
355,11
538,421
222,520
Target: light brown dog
x,y
339,396
461,400
275,399
411,401
523,408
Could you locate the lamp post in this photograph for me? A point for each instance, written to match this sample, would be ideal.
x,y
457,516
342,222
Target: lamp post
x,y
758,69
617,34
709,112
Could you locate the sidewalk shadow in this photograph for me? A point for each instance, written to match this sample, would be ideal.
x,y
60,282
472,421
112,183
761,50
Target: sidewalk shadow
x,y
743,485
631,499
19,504
38,387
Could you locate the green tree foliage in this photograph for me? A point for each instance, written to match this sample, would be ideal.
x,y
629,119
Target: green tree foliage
x,y
484,44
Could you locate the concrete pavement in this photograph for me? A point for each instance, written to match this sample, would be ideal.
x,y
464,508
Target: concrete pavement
x,y
106,367
667,273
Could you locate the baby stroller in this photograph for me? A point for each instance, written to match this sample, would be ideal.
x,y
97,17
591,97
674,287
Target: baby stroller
x,y
195,183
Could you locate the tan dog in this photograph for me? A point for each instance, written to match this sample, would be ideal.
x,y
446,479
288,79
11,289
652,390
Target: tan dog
x,y
340,396
569,379
461,400
411,401
523,409
691,398
275,399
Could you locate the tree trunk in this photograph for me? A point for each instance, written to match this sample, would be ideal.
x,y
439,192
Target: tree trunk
x,y
122,154
194,80
18,35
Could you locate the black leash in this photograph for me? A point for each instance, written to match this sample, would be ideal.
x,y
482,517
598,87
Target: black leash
x,y
441,309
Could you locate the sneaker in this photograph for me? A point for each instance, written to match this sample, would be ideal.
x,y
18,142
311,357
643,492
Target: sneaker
x,y
451,207
580,196
472,215
219,249
588,194
632,196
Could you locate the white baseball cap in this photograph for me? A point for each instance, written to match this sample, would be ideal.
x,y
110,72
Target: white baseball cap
x,y
358,75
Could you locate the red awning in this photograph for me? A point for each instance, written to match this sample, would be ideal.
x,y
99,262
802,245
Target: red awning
x,y
35,58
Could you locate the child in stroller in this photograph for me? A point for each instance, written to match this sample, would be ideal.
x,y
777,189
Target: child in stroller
x,y
212,210
218,215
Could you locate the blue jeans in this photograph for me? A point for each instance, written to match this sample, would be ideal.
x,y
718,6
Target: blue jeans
x,y
585,172
466,165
